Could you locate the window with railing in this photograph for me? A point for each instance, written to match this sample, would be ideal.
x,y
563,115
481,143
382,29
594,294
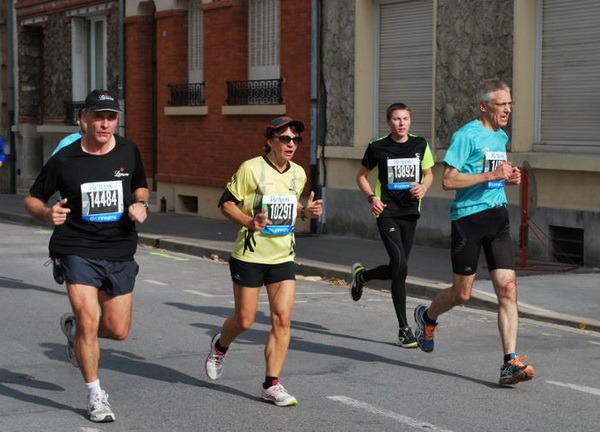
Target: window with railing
x,y
72,110
187,94
255,92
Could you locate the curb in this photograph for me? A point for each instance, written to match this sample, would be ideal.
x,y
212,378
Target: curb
x,y
417,287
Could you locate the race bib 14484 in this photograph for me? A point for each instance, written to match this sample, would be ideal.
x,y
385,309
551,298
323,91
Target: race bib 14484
x,y
102,201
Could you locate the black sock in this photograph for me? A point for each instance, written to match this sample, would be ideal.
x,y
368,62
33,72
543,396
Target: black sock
x,y
508,357
219,348
427,319
269,381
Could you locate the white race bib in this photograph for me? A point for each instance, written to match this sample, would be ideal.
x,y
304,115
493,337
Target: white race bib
x,y
102,201
492,161
402,173
281,210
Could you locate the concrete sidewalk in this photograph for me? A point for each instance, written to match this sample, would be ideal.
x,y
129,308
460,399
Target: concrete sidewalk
x,y
546,293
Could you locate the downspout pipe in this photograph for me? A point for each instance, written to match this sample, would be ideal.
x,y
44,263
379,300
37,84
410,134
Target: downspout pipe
x,y
121,57
10,30
315,115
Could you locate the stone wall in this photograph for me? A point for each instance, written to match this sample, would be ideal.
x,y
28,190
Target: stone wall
x,y
57,65
30,63
474,42
337,54
49,47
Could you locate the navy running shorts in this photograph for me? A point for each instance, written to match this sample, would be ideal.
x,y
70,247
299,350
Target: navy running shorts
x,y
114,277
254,275
489,229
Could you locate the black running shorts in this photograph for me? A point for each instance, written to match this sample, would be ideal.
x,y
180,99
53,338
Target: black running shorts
x,y
114,277
253,275
489,229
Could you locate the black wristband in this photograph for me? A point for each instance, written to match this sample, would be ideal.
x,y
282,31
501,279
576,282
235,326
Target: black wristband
x,y
370,198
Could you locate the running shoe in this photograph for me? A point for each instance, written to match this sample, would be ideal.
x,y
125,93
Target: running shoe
x,y
424,331
278,395
214,361
58,272
98,408
67,322
515,371
356,286
406,339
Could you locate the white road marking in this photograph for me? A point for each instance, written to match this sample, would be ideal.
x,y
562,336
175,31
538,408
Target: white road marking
x,y
398,417
584,389
155,282
204,294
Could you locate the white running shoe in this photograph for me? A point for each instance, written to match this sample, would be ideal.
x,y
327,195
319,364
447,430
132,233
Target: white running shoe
x,y
67,321
98,408
278,395
214,361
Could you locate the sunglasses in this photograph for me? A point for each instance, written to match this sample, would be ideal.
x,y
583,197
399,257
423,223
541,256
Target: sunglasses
x,y
287,139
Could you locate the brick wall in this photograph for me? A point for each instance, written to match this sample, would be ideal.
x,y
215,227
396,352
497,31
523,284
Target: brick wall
x,y
206,150
139,98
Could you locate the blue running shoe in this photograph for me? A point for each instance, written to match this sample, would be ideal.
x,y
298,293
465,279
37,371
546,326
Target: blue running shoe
x,y
424,331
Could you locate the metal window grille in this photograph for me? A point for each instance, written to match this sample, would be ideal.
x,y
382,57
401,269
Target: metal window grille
x,y
72,110
187,94
256,92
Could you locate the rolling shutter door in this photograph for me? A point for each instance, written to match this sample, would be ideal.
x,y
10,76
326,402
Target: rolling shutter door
x,y
570,83
406,62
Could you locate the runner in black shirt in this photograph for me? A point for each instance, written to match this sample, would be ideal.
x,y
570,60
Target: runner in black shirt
x,y
404,162
103,192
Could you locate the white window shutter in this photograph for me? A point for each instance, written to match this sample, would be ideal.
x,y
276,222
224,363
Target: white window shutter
x,y
569,109
195,42
78,55
263,39
405,63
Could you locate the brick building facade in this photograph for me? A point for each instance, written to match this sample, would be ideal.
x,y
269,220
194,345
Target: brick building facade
x,y
193,149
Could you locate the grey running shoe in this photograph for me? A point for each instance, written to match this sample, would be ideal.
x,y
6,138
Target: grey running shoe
x,y
406,338
356,286
98,408
278,395
67,321
214,361
515,371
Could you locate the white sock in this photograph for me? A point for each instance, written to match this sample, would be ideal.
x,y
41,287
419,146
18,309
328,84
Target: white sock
x,y
93,387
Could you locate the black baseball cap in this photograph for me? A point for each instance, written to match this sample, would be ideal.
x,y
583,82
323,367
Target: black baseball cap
x,y
102,100
280,122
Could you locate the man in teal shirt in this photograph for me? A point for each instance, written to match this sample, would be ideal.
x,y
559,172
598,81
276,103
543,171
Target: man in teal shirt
x,y
70,139
476,167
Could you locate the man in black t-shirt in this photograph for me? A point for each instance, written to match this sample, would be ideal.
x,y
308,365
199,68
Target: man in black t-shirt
x,y
103,190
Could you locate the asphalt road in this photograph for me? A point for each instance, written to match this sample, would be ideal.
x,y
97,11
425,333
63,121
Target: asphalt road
x,y
342,366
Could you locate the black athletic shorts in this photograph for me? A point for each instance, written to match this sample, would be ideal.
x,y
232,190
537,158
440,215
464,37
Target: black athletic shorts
x,y
489,229
253,275
114,277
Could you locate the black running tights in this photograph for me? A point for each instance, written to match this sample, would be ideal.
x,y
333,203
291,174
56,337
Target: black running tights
x,y
397,235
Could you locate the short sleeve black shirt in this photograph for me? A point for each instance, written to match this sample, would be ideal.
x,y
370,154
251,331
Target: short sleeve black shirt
x,y
70,172
379,152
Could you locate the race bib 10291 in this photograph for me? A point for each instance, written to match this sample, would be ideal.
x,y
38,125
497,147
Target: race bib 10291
x,y
281,211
